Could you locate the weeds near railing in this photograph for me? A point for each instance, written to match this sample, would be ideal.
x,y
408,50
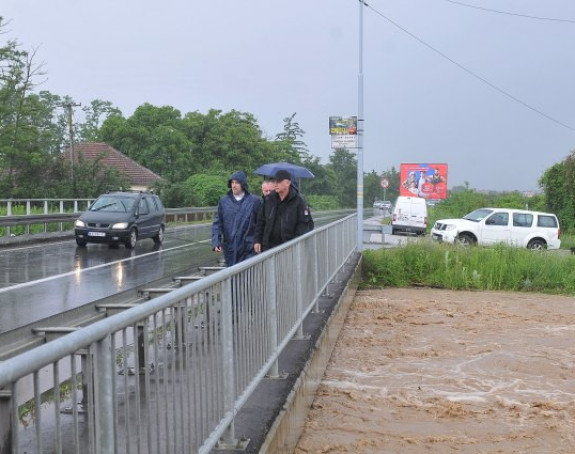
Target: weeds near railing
x,y
478,268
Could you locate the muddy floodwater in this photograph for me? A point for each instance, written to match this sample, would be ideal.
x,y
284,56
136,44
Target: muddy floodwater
x,y
436,371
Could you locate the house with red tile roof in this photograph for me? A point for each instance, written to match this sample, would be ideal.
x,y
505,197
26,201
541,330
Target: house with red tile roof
x,y
140,177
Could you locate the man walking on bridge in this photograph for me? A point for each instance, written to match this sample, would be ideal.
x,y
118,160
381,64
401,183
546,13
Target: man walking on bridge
x,y
235,220
284,215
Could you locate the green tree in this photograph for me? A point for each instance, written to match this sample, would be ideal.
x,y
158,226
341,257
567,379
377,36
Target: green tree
x,y
559,186
292,135
30,135
372,189
343,164
94,115
208,189
323,184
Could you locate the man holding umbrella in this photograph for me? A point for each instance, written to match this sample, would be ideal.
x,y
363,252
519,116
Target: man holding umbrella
x,y
283,215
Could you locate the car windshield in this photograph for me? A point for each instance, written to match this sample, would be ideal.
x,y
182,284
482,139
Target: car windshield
x,y
110,203
478,215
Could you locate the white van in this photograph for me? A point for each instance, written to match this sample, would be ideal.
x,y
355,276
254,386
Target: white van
x,y
409,216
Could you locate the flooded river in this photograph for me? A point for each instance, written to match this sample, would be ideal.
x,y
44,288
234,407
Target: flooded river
x,y
436,371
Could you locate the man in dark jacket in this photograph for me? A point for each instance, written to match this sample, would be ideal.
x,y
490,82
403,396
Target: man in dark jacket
x,y
234,223
283,215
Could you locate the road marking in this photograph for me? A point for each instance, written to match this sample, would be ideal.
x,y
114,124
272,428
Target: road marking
x,y
76,271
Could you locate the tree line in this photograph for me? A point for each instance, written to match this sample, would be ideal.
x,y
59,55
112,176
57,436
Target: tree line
x,y
193,152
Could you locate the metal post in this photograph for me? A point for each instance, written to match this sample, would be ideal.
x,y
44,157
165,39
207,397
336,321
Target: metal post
x,y
299,291
103,398
6,405
229,437
271,299
360,132
8,213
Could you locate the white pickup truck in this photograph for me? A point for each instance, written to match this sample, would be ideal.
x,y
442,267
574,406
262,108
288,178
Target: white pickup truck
x,y
486,226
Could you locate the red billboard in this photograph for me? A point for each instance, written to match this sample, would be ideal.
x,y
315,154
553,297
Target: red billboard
x,y
423,180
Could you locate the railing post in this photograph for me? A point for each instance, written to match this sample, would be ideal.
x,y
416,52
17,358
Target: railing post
x,y
327,261
299,279
315,274
229,436
8,213
103,398
271,299
6,420
28,212
61,225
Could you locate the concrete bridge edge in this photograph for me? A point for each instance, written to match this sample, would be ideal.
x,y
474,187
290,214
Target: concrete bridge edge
x,y
287,428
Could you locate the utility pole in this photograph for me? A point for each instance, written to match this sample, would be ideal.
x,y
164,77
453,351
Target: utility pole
x,y
68,106
360,133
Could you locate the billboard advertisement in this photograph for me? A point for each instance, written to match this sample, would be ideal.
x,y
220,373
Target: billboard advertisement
x,y
423,180
343,132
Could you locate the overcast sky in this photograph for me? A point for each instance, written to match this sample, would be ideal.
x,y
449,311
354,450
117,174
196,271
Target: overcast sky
x,y
490,94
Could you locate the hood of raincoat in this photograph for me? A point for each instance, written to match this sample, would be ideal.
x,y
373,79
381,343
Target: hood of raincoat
x,y
241,177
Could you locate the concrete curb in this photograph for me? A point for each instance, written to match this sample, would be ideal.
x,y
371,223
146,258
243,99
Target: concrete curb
x,y
289,424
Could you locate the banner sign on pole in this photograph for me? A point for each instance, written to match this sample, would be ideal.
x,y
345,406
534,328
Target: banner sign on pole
x,y
343,132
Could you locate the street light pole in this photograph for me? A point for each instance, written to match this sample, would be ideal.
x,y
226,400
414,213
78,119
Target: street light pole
x,y
360,132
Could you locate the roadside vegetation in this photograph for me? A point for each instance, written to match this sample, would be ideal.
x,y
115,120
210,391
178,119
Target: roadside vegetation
x,y
428,264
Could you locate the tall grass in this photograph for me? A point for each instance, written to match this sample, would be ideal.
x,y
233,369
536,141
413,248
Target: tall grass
x,y
477,268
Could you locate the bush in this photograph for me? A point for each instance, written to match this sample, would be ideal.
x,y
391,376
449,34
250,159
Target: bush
x,y
322,202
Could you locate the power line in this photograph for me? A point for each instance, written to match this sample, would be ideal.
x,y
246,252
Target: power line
x,y
471,73
508,13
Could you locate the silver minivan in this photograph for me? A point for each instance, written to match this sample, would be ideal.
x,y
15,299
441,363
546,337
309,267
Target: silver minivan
x,y
409,216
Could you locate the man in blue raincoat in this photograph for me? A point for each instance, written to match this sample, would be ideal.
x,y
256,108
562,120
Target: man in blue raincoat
x,y
234,223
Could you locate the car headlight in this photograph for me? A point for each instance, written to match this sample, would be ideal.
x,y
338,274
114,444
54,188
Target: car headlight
x,y
449,227
79,223
120,226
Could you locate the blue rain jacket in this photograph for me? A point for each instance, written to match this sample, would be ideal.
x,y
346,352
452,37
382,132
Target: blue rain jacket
x,y
234,224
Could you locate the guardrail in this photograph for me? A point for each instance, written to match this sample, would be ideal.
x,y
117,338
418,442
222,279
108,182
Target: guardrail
x,y
59,219
171,374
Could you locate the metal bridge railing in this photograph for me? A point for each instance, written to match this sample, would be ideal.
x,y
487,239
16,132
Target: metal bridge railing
x,y
171,374
56,215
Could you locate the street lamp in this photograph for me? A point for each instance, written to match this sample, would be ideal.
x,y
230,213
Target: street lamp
x,y
360,131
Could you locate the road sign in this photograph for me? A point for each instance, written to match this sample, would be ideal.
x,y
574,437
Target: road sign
x,y
384,183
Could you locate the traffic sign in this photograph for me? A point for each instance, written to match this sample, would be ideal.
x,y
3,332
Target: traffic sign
x,y
384,183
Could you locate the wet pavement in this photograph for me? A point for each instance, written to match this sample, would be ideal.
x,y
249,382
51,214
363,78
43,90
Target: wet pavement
x,y
40,281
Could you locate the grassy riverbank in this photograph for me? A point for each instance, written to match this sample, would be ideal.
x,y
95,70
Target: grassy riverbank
x,y
424,263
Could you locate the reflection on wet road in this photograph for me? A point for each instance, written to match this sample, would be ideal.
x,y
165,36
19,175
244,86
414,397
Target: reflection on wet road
x,y
45,280
41,281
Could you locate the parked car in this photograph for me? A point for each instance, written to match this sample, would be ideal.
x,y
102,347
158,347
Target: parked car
x,y
384,204
485,226
122,217
409,216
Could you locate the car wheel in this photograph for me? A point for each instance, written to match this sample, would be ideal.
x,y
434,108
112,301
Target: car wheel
x,y
160,236
537,245
133,238
465,239
80,242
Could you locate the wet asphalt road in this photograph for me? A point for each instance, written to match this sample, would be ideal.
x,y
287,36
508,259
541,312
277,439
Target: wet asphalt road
x,y
38,281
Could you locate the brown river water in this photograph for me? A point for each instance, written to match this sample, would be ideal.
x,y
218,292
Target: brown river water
x,y
438,371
